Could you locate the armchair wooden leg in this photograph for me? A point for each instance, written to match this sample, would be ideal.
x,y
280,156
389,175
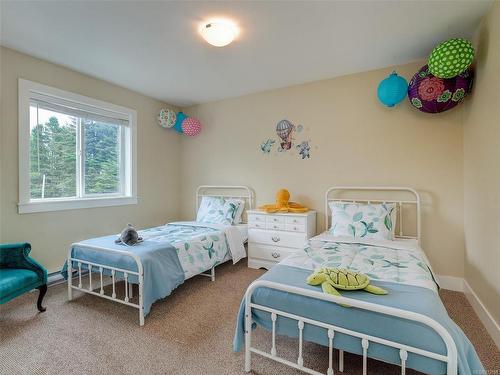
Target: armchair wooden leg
x,y
43,290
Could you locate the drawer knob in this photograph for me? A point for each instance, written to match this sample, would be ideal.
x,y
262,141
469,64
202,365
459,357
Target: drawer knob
x,y
275,239
275,254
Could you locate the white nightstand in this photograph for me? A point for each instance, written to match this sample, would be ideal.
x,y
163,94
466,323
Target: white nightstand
x,y
272,237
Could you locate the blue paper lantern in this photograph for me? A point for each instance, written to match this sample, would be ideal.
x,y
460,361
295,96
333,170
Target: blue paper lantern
x,y
178,122
392,90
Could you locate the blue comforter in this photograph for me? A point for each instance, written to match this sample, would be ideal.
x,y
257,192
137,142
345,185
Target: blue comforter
x,y
406,297
162,269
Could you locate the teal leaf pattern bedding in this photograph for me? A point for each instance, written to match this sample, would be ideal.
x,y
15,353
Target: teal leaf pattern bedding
x,y
407,266
217,210
373,221
198,248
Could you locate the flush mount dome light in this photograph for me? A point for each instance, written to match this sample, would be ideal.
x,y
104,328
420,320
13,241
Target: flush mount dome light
x,y
219,33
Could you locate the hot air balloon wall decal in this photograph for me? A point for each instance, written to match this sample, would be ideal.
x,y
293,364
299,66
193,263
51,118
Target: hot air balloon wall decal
x,y
284,130
286,141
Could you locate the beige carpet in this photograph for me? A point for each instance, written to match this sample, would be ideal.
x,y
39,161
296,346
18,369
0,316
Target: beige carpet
x,y
189,333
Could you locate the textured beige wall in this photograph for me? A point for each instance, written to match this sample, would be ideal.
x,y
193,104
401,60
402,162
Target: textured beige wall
x,y
481,169
359,142
51,233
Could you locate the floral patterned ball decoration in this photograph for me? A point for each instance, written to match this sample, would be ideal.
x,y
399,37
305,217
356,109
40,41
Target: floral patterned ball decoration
x,y
166,118
191,126
433,95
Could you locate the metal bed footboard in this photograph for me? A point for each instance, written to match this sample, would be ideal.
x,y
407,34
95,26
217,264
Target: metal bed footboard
x,y
103,268
451,351
226,191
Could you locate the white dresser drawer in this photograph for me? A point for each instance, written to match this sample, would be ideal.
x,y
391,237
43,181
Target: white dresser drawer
x,y
275,226
295,228
275,219
268,237
274,236
255,218
266,252
296,220
256,224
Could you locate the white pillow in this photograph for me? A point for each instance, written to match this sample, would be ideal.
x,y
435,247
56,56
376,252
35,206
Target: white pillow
x,y
239,213
371,221
216,210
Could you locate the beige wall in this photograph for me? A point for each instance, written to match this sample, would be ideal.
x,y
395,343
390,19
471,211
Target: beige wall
x,y
359,142
51,233
481,169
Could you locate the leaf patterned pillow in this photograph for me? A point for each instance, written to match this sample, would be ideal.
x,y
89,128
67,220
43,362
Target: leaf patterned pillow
x,y
238,218
373,221
217,210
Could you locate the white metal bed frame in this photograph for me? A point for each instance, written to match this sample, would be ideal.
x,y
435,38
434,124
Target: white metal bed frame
x,y
399,206
451,351
245,193
204,191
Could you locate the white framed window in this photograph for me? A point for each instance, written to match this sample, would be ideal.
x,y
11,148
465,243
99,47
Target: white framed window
x,y
74,151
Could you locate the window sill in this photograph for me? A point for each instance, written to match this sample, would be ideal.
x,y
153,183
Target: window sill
x,y
73,204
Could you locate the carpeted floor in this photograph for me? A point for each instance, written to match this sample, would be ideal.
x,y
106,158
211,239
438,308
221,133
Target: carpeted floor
x,y
189,333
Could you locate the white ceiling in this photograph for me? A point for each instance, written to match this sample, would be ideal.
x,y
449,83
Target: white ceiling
x,y
154,47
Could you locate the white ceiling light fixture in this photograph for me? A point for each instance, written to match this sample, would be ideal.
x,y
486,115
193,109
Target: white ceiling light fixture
x,y
219,33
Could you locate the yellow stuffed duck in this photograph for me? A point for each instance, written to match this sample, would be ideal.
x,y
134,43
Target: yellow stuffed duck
x,y
283,204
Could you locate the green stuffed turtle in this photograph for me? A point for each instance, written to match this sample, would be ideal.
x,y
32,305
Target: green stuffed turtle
x,y
332,279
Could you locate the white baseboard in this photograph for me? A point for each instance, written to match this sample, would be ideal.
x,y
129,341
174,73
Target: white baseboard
x,y
451,283
458,284
484,315
55,278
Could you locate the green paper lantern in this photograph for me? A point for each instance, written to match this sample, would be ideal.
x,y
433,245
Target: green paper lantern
x,y
451,58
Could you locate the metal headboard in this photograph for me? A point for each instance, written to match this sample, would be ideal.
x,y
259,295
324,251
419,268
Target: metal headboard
x,y
400,204
226,191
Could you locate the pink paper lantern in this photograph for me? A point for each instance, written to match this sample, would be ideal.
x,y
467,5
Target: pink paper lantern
x,y
191,126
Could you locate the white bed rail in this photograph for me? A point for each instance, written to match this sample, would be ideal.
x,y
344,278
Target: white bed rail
x,y
451,351
400,204
101,270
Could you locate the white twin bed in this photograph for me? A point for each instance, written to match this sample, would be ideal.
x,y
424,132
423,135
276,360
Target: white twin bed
x,y
409,326
169,254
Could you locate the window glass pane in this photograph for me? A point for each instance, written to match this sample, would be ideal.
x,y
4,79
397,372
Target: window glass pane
x,y
101,157
52,154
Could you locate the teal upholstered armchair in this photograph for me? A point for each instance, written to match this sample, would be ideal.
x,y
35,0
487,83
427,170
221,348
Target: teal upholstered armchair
x,y
19,273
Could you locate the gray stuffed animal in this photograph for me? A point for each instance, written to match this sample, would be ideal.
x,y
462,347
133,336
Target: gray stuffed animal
x,y
129,236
